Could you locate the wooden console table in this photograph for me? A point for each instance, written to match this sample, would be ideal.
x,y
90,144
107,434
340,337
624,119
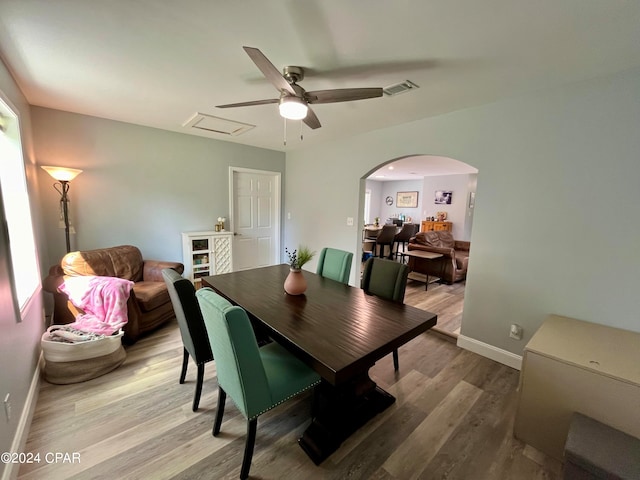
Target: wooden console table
x,y
430,226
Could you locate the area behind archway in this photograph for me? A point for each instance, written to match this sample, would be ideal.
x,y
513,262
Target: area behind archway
x,y
421,176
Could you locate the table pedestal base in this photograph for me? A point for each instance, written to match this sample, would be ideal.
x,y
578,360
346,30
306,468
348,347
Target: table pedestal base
x,y
340,411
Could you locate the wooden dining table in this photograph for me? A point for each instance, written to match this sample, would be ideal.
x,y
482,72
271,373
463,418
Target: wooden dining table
x,y
339,331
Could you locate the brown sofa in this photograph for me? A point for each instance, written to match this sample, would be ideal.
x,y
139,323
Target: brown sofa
x,y
149,304
452,267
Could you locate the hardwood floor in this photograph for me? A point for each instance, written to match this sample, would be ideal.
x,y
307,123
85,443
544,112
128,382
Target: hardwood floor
x,y
452,418
446,301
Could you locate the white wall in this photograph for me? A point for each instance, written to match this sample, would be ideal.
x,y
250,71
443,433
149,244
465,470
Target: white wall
x,y
556,226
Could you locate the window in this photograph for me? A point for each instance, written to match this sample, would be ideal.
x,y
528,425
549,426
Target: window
x,y
367,207
17,210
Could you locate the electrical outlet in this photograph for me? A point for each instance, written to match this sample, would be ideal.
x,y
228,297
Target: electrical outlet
x,y
7,406
515,331
349,221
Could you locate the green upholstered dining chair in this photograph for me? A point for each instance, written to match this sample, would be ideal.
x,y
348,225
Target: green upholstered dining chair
x,y
386,279
256,379
335,264
191,324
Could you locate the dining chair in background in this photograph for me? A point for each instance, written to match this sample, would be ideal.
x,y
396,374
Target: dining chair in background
x,y
192,328
386,279
369,236
256,379
386,237
402,238
335,264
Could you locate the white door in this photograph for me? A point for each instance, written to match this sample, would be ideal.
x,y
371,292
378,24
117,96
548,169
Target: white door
x,y
255,213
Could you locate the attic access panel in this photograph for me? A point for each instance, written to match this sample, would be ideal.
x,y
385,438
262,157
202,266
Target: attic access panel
x,y
210,123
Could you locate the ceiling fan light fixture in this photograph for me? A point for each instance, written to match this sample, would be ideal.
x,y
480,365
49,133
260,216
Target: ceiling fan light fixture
x,y
293,108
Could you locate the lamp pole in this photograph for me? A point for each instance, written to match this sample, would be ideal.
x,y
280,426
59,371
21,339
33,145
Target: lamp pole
x,y
63,176
64,199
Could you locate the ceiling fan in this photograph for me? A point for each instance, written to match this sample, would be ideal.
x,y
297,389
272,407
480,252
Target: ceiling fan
x,y
294,100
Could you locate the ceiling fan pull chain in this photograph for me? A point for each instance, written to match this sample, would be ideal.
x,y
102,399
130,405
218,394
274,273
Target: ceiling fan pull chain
x,y
285,132
301,137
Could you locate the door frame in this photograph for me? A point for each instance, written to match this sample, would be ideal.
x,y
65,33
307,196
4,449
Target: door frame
x,y
278,203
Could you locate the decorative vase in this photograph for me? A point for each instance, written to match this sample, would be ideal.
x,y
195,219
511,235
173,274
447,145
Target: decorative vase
x,y
295,283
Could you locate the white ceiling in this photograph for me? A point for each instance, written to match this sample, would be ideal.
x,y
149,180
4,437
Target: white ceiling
x,y
158,62
416,167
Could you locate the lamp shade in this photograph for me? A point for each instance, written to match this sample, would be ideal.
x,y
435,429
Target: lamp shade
x,y
293,108
62,174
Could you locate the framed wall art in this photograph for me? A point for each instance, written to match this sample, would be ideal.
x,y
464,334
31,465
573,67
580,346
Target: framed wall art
x,y
407,200
443,197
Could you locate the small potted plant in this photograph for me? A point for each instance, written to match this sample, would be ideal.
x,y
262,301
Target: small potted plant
x,y
295,283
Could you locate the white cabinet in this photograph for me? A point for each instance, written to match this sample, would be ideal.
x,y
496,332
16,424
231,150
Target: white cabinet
x,y
575,366
206,253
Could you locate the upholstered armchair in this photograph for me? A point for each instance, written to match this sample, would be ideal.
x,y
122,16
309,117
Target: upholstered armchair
x,y
149,305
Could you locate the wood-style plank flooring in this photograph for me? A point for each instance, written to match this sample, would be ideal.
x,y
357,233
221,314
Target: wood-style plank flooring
x,y
452,419
444,300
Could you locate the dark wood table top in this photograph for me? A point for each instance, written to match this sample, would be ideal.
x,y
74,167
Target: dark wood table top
x,y
337,329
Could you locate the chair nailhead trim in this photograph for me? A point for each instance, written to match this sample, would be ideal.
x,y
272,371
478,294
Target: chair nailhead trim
x,y
285,399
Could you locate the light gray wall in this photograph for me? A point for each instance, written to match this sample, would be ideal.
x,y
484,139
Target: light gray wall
x,y
20,342
140,186
391,189
556,226
457,211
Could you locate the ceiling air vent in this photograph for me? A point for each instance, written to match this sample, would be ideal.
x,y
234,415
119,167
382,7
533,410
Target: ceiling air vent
x,y
400,88
213,124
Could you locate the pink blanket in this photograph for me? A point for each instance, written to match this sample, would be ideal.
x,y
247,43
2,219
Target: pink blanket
x,y
103,299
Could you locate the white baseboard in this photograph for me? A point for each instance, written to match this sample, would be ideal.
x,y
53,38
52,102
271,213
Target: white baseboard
x,y
22,432
503,356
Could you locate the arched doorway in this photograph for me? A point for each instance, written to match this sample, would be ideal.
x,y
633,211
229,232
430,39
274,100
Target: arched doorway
x,y
441,185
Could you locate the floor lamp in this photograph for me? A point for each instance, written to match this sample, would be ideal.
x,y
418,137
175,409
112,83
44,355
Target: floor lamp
x,y
63,177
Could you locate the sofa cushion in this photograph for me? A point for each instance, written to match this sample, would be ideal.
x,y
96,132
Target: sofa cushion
x,y
151,295
124,261
435,239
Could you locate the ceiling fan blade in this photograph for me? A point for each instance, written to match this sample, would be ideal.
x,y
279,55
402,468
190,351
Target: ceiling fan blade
x,y
342,95
269,71
311,120
249,104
